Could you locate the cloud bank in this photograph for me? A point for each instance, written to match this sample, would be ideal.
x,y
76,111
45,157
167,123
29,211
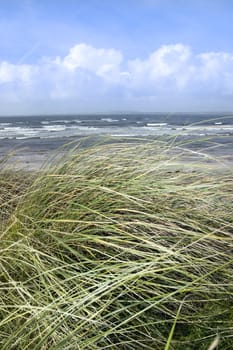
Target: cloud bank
x,y
172,77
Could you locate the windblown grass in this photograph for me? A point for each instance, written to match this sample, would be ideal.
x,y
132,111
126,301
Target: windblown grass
x,y
13,185
116,248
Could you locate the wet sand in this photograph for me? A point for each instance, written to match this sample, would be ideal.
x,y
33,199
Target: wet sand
x,y
33,154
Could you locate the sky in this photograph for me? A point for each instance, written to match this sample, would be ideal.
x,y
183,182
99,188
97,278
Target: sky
x,y
94,56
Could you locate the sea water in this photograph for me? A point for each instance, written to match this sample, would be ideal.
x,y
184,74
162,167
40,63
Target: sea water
x,y
138,124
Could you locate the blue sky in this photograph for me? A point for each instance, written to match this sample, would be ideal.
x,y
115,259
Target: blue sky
x,y
98,55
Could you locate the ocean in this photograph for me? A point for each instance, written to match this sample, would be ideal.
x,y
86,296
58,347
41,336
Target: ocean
x,y
31,140
138,124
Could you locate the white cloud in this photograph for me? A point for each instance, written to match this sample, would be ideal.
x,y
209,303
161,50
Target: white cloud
x,y
169,62
102,62
215,63
169,74
166,61
16,72
215,70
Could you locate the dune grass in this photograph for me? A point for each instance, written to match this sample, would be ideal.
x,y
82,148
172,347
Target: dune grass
x,y
13,185
119,246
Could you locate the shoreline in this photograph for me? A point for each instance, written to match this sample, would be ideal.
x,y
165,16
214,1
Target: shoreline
x,y
32,153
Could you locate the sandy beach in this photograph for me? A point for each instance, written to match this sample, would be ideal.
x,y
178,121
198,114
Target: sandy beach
x,y
34,153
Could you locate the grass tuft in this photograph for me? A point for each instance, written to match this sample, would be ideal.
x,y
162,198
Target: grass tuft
x,y
119,246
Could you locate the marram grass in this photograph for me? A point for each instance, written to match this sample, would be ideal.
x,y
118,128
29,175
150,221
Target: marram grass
x,y
116,247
